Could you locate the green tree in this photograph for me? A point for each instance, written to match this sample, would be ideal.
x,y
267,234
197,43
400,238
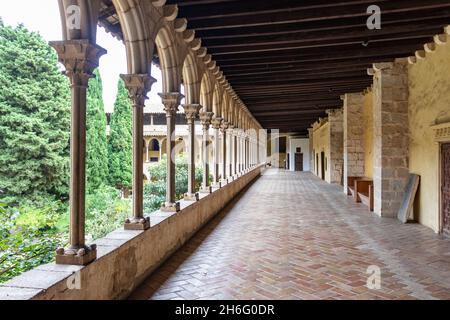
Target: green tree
x,y
34,118
96,142
120,141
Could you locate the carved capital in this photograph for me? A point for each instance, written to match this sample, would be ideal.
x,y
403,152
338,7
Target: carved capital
x,y
171,101
216,122
138,85
191,111
205,118
80,58
224,126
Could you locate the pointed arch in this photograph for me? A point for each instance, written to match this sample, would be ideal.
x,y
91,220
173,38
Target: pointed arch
x,y
206,92
171,68
191,79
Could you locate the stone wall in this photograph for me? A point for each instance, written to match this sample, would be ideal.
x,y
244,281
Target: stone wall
x,y
353,136
390,104
429,103
336,121
368,133
125,258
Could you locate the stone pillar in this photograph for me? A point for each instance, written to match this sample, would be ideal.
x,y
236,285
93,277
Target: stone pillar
x,y
206,118
353,136
230,151
171,101
336,123
80,58
391,136
216,123
235,152
147,147
138,85
191,111
224,129
311,149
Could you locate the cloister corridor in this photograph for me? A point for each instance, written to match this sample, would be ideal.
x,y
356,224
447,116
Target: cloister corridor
x,y
293,236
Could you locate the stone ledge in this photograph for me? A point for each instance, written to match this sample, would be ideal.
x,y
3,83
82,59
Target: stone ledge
x,y
125,258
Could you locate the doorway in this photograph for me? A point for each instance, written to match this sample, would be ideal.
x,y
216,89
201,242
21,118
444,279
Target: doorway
x,y
445,188
298,161
322,165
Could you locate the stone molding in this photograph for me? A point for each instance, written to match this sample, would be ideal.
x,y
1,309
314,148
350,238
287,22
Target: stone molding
x,y
441,132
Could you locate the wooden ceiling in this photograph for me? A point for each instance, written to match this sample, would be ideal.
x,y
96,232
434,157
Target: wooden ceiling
x,y
290,60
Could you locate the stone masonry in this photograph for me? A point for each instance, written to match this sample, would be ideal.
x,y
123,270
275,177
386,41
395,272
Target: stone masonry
x,y
390,136
336,121
353,136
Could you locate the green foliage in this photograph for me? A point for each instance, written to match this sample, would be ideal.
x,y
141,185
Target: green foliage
x,y
105,212
120,141
34,118
28,238
155,191
96,143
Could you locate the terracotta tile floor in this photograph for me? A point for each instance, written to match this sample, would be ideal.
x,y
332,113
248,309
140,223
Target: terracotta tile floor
x,y
292,236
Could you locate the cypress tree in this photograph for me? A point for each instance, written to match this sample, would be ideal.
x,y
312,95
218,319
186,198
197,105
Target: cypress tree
x,y
120,141
96,142
34,118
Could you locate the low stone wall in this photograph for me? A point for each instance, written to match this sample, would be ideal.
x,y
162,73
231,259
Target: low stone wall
x,y
125,258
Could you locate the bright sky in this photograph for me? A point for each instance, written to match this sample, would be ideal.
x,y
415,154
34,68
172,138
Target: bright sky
x,y
43,16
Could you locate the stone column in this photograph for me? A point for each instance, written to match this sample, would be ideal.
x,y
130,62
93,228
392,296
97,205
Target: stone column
x,y
191,111
206,118
235,151
80,58
391,136
230,151
147,147
353,136
216,123
138,85
224,129
171,101
311,149
336,123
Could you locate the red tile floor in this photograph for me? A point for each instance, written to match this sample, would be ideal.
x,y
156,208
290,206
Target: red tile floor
x,y
293,236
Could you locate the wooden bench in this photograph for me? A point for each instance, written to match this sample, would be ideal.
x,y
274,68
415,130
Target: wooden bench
x,y
362,190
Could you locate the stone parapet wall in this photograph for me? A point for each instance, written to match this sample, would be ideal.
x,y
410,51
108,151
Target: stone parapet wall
x,y
125,258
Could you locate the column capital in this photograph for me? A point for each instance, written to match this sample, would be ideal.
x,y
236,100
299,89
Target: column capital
x,y
191,111
205,118
216,122
138,85
224,126
171,101
79,57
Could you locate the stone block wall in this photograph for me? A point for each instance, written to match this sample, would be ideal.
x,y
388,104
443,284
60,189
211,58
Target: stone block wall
x,y
391,141
311,149
353,136
336,120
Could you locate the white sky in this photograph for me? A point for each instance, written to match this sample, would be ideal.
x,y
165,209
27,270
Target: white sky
x,y
43,16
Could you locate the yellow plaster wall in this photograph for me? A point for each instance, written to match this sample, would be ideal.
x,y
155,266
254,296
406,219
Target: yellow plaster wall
x,y
368,134
429,103
321,143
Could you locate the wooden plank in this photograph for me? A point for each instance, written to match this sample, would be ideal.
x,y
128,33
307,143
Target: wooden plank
x,y
406,209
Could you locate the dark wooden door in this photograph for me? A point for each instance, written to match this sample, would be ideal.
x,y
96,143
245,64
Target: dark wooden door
x,y
299,162
322,164
445,195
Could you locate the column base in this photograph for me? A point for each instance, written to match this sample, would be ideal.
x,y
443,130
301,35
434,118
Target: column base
x,y
137,224
170,207
207,189
191,197
76,256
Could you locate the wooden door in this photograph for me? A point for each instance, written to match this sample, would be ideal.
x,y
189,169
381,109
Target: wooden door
x,y
299,162
445,189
